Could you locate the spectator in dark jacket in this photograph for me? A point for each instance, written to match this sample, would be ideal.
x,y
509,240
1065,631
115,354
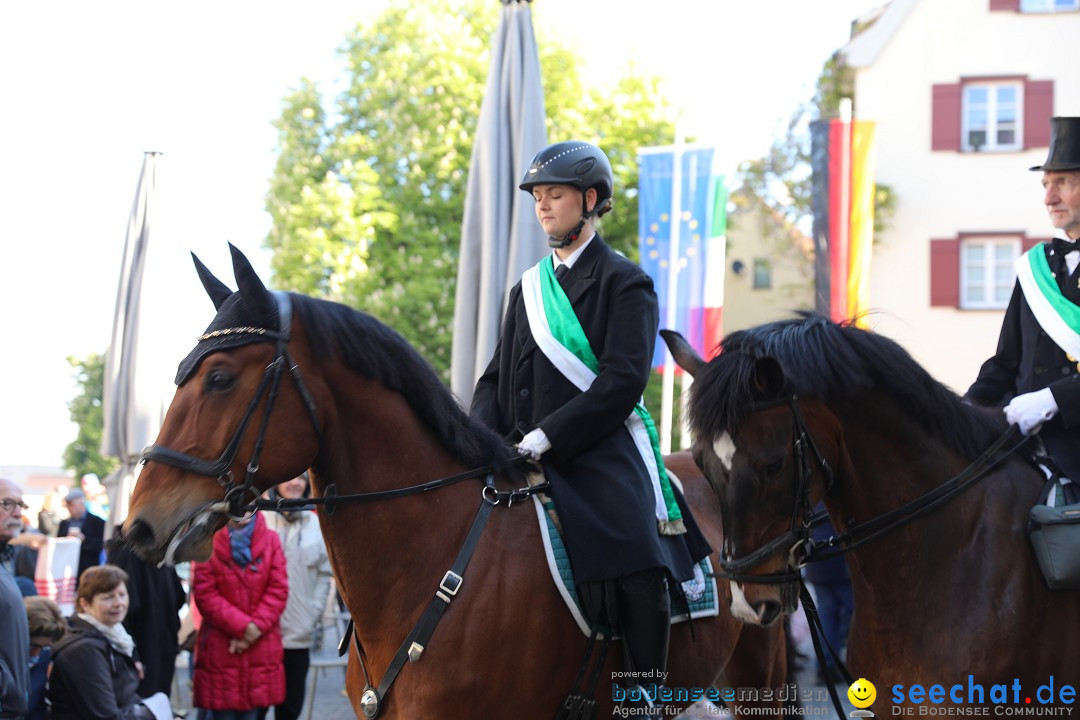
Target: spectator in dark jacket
x,y
831,584
95,675
87,527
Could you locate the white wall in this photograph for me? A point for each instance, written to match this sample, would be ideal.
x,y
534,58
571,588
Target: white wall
x,y
939,194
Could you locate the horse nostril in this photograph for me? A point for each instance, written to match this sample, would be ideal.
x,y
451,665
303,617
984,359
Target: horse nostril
x,y
140,536
768,611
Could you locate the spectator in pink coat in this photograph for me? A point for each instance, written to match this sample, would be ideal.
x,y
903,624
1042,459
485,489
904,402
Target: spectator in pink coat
x,y
241,592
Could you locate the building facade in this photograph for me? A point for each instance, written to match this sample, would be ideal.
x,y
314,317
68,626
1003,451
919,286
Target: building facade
x,y
962,92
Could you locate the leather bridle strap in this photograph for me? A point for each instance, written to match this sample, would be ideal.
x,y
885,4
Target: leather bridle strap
x,y
220,468
803,446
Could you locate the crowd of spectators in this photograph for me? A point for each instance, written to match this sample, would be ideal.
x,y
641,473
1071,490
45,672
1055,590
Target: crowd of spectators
x,y
258,603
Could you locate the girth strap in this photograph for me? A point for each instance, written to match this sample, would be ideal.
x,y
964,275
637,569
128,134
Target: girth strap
x,y
414,644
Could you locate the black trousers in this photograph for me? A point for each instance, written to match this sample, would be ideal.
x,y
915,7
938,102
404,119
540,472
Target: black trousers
x,y
296,670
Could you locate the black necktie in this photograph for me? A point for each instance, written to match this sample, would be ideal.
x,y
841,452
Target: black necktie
x,y
560,272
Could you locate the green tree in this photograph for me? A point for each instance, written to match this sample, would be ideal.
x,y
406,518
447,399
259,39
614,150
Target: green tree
x,y
367,200
83,455
782,179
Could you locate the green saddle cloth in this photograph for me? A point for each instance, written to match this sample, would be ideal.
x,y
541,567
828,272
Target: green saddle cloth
x,y
701,599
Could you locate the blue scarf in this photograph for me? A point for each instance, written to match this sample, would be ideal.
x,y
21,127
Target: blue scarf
x,y
240,541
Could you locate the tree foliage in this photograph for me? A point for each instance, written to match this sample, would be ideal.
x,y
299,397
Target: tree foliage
x,y
83,455
367,198
782,178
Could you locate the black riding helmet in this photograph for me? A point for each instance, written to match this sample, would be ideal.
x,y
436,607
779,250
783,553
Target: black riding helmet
x,y
579,164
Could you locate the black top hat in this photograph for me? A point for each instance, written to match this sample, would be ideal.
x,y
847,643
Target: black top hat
x,y
1064,145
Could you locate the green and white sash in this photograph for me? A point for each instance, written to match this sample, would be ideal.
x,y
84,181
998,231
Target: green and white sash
x,y
559,335
1057,315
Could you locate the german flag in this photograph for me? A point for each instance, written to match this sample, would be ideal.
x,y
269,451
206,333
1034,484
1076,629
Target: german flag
x,y
843,163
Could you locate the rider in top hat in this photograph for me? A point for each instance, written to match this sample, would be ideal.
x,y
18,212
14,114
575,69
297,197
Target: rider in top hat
x,y
1036,362
575,407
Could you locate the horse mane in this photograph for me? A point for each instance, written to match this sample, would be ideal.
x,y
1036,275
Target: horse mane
x,y
833,361
377,352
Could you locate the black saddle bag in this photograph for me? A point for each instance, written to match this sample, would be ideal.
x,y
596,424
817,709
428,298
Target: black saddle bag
x,y
1055,536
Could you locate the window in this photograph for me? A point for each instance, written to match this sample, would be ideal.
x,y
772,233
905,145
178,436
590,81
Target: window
x,y
986,271
762,274
992,116
1046,6
1007,113
974,270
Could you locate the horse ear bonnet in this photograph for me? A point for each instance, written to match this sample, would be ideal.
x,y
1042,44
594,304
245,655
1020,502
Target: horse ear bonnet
x,y
251,314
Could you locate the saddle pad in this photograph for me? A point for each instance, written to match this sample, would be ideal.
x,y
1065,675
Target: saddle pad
x,y
700,591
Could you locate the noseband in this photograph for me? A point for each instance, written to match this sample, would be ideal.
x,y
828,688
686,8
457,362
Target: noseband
x,y
235,493
796,539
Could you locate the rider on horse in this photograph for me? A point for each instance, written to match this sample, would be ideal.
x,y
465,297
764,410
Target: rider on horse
x,y
564,383
1039,347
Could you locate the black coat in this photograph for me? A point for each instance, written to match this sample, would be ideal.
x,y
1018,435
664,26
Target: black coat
x,y
1028,360
600,487
93,530
91,680
155,597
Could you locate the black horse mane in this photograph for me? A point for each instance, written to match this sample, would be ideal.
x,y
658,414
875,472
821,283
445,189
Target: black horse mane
x,y
375,351
832,361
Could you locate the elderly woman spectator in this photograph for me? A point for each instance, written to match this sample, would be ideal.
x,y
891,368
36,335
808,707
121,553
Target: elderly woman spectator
x,y
47,626
95,674
241,592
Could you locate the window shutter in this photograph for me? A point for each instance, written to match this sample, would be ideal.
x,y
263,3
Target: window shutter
x,y
945,134
1038,109
1029,242
1013,5
945,273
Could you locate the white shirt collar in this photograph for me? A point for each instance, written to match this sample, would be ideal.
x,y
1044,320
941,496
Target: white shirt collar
x,y
569,262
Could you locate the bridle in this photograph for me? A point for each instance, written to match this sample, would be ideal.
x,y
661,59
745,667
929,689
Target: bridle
x,y
235,493
797,542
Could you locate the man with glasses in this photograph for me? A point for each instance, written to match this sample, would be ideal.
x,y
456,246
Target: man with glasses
x,y
14,631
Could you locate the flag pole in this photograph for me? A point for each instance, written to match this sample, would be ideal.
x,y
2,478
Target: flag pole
x,y
670,319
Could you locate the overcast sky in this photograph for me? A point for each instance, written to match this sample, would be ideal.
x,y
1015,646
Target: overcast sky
x,y
88,87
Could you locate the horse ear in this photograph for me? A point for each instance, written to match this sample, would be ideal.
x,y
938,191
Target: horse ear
x,y
255,295
769,378
683,352
218,291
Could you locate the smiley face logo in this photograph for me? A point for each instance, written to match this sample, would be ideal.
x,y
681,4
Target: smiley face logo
x,y
862,693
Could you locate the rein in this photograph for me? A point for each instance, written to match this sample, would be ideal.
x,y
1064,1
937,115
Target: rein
x,y
801,549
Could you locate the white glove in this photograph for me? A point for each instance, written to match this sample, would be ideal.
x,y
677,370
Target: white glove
x,y
534,444
1031,410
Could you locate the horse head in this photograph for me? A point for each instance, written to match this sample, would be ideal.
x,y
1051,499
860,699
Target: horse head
x,y
226,388
750,443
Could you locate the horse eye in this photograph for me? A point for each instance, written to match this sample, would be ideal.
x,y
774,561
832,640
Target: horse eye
x,y
219,380
773,469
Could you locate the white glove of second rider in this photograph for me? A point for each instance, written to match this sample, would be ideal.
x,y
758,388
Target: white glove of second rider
x,y
534,444
1031,410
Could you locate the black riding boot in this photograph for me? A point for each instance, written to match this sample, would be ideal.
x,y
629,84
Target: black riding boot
x,y
644,610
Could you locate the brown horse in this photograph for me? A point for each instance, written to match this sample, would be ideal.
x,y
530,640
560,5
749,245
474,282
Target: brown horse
x,y
281,383
796,411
